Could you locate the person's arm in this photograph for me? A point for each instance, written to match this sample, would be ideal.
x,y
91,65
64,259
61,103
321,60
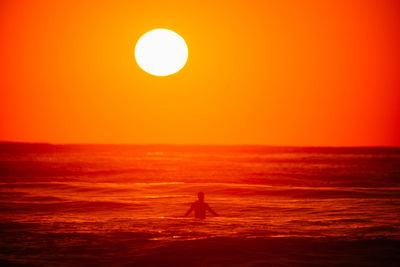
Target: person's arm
x,y
211,211
189,211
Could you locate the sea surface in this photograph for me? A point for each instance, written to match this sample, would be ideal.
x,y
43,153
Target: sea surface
x,y
123,205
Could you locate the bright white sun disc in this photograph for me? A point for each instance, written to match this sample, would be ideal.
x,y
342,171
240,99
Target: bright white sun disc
x,y
161,52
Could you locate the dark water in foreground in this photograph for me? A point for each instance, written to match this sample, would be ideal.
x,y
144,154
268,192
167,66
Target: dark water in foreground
x,y
123,205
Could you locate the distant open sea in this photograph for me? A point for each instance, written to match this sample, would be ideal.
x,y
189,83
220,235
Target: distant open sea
x,y
123,205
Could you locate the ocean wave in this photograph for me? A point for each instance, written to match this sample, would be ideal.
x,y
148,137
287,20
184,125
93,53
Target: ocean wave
x,y
66,206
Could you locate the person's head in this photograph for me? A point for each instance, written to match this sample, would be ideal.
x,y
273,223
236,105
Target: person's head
x,y
200,195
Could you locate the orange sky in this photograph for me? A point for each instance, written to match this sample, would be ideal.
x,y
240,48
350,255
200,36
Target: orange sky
x,y
259,72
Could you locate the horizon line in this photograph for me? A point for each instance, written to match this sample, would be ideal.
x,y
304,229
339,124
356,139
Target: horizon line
x,y
2,142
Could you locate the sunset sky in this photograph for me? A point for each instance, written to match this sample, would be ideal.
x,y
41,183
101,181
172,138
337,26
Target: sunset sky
x,y
319,73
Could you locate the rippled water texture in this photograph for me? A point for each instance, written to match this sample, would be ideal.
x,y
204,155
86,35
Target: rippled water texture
x,y
61,205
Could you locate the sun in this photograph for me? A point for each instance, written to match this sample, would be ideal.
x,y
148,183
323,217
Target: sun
x,y
161,52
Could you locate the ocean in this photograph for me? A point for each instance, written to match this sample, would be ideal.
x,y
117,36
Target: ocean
x,y
123,205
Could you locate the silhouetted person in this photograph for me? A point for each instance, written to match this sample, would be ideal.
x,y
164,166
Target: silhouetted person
x,y
200,207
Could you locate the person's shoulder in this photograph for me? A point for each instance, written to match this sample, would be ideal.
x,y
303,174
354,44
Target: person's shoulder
x,y
199,203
